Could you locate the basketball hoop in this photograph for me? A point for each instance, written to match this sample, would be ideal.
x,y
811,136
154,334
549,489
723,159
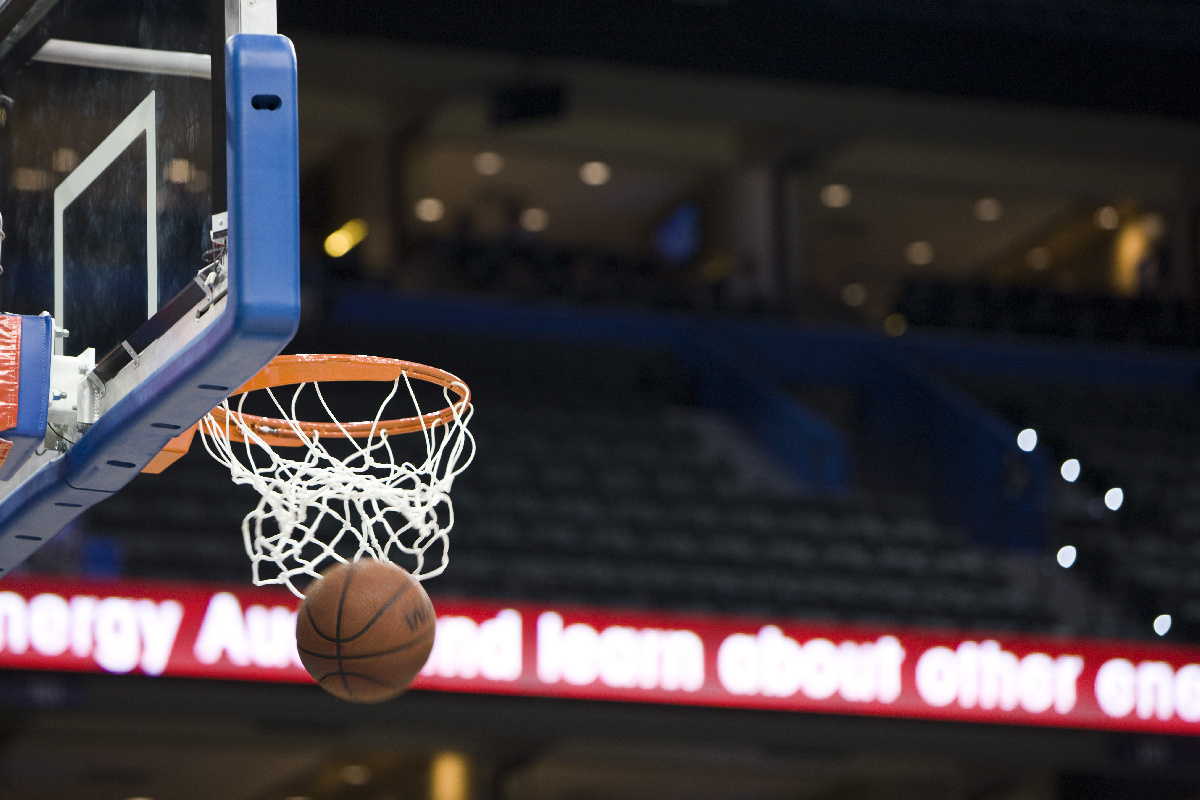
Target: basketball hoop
x,y
372,503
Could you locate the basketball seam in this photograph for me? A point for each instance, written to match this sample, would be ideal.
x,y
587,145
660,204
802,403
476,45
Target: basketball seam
x,y
313,622
335,639
393,650
343,675
397,595
338,629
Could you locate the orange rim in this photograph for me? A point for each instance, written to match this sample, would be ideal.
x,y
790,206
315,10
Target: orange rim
x,y
319,368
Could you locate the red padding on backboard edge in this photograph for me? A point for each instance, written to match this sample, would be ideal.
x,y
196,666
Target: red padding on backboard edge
x,y
10,371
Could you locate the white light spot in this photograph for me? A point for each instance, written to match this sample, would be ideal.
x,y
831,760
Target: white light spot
x,y
1038,258
28,179
895,325
918,253
429,209
1066,556
356,774
1162,624
854,294
1113,498
1027,440
1153,226
534,219
64,159
178,170
988,209
836,195
595,173
1107,218
1070,470
489,163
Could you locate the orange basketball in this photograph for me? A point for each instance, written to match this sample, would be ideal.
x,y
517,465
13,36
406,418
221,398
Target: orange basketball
x,y
365,630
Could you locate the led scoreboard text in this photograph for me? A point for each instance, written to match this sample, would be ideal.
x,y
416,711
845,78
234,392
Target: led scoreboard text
x,y
243,633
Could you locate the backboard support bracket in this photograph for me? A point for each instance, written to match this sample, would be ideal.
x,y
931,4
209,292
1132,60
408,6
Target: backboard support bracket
x,y
249,16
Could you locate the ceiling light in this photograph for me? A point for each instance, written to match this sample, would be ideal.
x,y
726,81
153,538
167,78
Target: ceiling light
x,y
918,253
1113,498
429,209
65,159
346,238
1027,440
1153,225
595,173
1038,258
534,220
178,170
1070,470
30,179
836,195
1107,218
988,209
356,774
854,294
1162,624
1066,556
449,777
489,163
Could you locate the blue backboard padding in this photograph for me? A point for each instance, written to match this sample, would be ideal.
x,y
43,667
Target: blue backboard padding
x,y
263,184
33,402
261,315
33,397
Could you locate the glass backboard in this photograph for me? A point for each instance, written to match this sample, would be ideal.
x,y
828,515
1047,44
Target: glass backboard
x,y
107,171
149,192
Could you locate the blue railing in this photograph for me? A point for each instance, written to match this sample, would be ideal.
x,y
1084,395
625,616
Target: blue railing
x,y
917,429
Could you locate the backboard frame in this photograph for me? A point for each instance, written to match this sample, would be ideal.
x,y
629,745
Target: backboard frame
x,y
199,347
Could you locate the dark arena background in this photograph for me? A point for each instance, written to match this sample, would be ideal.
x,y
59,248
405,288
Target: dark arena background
x,y
836,369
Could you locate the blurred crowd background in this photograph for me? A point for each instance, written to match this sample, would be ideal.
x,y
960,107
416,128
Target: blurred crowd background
x,y
875,312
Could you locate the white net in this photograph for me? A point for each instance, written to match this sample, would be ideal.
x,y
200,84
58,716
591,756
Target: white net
x,y
368,502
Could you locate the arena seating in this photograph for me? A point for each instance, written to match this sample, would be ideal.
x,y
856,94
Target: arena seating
x,y
1031,311
522,266
639,512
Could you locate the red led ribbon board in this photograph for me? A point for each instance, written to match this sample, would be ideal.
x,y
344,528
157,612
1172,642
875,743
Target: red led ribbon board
x,y
490,647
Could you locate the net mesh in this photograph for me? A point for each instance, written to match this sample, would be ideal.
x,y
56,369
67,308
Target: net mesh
x,y
322,507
